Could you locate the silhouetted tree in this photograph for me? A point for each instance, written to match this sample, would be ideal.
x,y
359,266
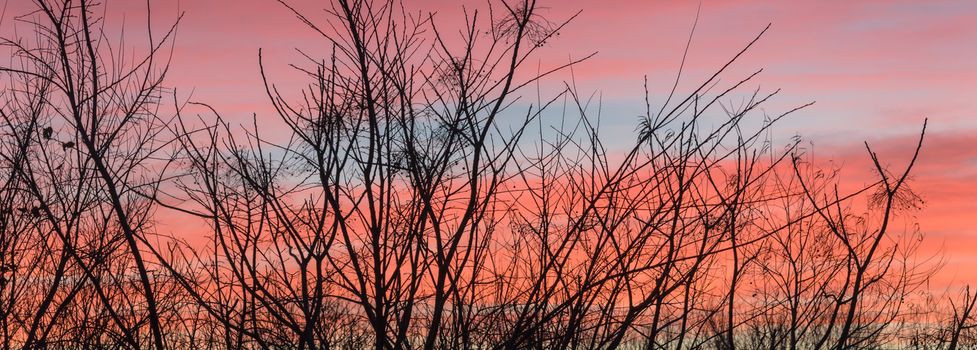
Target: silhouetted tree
x,y
423,197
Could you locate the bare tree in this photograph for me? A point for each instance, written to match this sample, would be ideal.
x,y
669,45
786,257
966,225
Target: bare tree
x,y
424,197
80,133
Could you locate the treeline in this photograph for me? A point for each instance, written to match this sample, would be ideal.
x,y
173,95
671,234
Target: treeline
x,y
428,195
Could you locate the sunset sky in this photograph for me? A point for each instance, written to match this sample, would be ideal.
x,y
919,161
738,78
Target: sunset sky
x,y
876,69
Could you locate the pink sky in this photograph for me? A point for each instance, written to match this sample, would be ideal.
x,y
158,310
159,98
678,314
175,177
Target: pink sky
x,y
875,68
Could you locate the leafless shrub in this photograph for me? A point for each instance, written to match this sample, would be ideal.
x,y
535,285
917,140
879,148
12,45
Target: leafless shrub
x,y
421,200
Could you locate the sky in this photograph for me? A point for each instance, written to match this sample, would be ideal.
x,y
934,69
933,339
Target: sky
x,y
876,69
